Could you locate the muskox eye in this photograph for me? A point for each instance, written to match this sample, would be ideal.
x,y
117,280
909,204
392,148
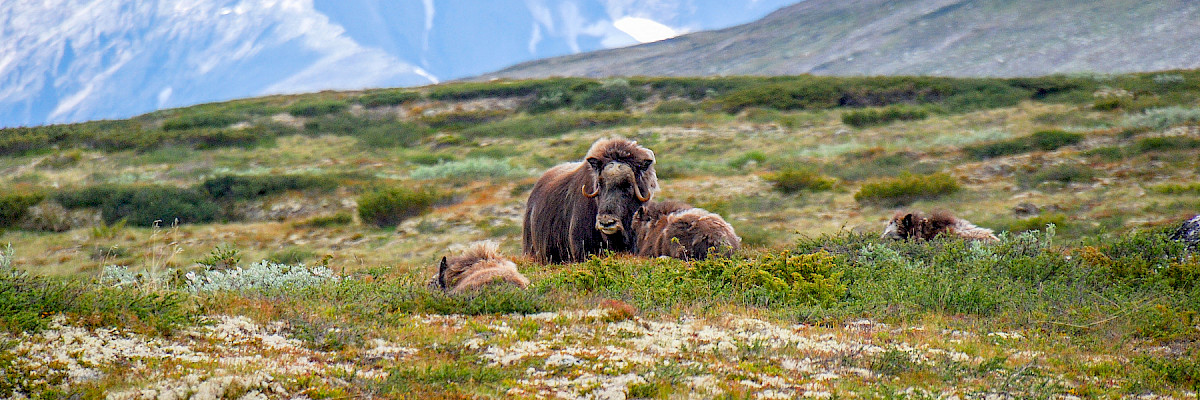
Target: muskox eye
x,y
645,165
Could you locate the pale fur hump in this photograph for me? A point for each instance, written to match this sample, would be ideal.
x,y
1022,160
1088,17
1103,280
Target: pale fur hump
x,y
967,230
480,264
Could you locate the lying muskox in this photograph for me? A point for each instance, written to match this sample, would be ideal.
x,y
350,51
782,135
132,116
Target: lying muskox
x,y
674,229
480,265
581,208
1188,232
906,225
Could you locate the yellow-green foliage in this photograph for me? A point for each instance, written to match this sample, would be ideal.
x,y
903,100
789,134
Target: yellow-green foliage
x,y
1171,188
13,206
387,207
315,108
794,180
389,97
780,277
865,118
906,188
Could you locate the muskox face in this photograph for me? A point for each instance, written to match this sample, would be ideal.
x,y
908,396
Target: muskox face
x,y
620,189
900,227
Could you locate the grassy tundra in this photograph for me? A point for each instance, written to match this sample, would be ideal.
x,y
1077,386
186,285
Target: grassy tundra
x,y
280,246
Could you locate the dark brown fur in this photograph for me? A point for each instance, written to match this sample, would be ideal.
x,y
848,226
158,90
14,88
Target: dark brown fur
x,y
479,266
908,225
675,229
561,223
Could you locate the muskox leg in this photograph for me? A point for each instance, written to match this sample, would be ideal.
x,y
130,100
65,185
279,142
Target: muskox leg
x,y
442,274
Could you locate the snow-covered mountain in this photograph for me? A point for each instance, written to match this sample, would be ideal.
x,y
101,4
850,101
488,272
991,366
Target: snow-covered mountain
x,y
74,60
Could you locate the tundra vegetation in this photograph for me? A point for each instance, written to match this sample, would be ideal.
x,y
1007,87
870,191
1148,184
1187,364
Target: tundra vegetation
x,y
281,245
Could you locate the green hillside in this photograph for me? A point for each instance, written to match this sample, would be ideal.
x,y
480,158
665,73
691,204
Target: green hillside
x,y
148,232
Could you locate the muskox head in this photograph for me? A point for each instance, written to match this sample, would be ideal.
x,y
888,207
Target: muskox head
x,y
901,226
623,179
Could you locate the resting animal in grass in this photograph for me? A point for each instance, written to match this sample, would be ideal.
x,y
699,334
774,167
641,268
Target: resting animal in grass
x,y
674,229
905,225
481,265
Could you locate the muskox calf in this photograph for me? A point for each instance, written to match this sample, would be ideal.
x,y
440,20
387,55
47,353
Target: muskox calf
x,y
905,225
582,208
674,229
481,265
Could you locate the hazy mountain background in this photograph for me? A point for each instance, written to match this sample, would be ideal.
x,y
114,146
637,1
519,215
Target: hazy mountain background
x,y
928,37
75,60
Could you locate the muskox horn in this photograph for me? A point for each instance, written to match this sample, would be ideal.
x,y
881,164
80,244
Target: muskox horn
x,y
583,188
637,191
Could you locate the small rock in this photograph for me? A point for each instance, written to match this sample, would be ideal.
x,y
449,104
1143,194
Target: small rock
x,y
1026,210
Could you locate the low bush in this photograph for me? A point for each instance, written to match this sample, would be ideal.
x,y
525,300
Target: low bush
x,y
388,207
755,156
1165,143
675,106
245,187
1043,140
471,169
1060,173
1162,118
546,125
1036,223
1171,188
391,97
906,189
795,180
14,206
143,205
457,120
327,221
26,301
773,279
317,107
611,95
865,118
207,119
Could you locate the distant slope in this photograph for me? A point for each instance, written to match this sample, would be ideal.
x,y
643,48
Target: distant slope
x,y
909,37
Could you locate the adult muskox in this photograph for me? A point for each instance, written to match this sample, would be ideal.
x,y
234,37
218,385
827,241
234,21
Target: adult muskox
x,y
674,229
581,208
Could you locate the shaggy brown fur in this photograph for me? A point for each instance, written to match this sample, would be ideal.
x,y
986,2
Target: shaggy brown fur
x,y
674,229
481,265
581,208
914,224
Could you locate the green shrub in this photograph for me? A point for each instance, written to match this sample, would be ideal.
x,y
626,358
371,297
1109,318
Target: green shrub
x,y
906,188
245,187
392,134
756,156
327,221
611,95
865,118
1166,143
143,205
457,120
222,257
794,180
1037,223
26,300
291,256
471,169
388,207
390,97
675,106
787,278
14,206
1042,140
209,119
431,158
1162,118
1170,188
1061,173
546,125
317,107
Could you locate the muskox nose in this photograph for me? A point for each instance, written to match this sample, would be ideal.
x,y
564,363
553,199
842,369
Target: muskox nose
x,y
608,224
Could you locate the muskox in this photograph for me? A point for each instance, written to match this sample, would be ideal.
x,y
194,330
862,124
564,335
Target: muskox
x,y
480,265
905,225
1188,232
674,229
582,208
